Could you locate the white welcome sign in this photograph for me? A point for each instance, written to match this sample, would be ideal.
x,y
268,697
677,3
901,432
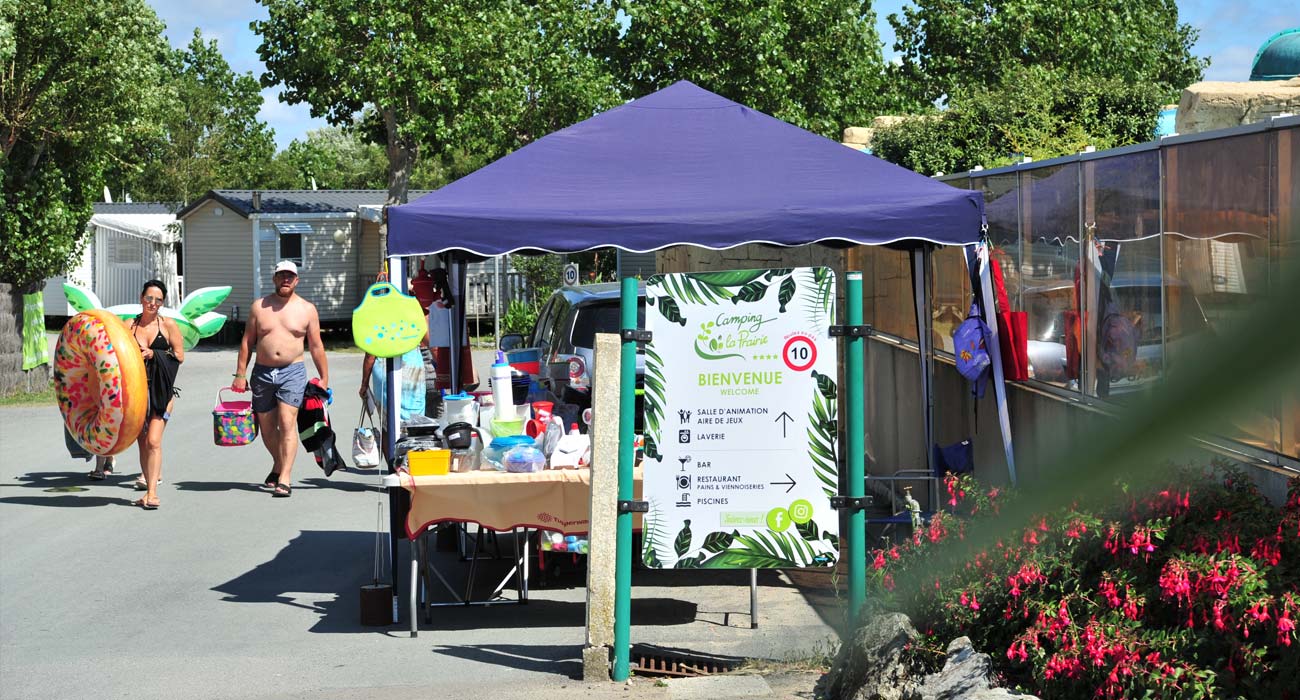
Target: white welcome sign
x,y
740,420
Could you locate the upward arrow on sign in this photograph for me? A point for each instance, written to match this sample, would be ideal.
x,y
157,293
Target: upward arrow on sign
x,y
784,419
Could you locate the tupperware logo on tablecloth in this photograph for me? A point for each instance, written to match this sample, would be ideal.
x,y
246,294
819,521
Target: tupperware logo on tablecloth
x,y
548,518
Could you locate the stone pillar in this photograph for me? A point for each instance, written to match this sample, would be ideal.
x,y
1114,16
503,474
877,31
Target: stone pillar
x,y
604,508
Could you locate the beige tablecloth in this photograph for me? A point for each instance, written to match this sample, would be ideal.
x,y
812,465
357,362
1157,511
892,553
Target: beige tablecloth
x,y
555,499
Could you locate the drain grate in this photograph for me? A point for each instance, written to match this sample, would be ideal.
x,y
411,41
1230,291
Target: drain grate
x,y
667,662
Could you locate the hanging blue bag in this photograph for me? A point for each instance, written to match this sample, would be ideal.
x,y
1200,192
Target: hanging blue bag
x,y
968,343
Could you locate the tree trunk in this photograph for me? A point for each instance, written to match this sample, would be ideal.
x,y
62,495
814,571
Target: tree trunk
x,y
13,378
401,152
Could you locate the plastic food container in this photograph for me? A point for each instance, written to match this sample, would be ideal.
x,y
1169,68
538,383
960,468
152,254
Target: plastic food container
x,y
466,460
428,462
524,459
494,453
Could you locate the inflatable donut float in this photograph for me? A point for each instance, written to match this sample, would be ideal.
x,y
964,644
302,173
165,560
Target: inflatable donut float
x,y
99,380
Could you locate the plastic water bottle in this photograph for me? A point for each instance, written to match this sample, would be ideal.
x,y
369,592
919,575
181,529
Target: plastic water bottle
x,y
502,396
551,438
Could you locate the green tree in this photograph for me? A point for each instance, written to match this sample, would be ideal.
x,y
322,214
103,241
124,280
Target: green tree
x,y
330,158
82,83
1031,111
478,77
813,63
945,45
211,135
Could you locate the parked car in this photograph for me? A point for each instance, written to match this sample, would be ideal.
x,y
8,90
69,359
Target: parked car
x,y
565,335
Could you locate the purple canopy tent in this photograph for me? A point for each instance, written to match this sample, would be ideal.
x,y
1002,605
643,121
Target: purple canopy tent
x,y
683,166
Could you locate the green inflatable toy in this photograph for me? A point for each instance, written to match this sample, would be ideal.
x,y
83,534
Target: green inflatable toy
x,y
388,323
195,319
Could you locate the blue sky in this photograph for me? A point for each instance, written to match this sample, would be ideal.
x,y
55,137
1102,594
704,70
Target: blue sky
x,y
1231,33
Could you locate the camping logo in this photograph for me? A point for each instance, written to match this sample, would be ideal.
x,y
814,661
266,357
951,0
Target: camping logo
x,y
730,332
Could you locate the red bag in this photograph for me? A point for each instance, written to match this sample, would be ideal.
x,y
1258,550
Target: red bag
x,y
1013,331
442,368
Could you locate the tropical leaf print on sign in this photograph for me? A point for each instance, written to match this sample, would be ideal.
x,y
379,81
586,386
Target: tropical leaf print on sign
x,y
689,289
825,385
750,292
652,538
728,278
683,542
786,292
690,562
656,394
717,541
821,442
670,310
817,294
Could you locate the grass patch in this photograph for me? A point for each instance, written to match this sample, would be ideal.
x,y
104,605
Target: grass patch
x,y
819,658
29,398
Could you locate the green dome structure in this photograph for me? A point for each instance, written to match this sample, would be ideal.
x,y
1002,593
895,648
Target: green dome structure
x,y
1279,57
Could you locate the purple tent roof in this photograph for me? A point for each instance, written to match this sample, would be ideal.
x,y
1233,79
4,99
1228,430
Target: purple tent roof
x,y
682,166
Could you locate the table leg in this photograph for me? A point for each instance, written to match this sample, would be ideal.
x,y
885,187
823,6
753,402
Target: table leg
x,y
427,580
523,584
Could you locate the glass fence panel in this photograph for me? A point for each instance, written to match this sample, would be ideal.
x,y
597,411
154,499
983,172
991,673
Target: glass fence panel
x,y
1050,235
1288,255
1123,337
951,297
887,291
1002,210
1218,222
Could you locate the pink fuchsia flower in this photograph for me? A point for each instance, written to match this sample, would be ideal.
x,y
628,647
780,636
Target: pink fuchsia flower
x,y
1285,628
878,562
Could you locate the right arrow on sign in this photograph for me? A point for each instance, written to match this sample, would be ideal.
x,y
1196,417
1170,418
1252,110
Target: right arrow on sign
x,y
786,418
789,481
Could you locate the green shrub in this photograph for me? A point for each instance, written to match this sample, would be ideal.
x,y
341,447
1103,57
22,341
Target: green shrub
x,y
520,317
1034,112
1192,591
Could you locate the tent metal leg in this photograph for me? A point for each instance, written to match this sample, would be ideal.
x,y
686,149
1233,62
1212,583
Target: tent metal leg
x,y
924,323
753,599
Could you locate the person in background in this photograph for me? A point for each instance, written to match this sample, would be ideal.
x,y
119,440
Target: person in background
x,y
164,351
440,315
278,324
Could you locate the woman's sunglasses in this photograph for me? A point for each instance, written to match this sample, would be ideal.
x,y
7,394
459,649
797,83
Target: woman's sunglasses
x,y
153,300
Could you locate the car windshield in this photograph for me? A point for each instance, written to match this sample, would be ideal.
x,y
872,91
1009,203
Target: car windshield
x,y
601,317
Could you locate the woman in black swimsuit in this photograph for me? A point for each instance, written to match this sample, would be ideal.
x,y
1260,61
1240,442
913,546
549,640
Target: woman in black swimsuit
x,y
164,350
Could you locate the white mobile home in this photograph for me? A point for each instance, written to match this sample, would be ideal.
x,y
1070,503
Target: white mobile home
x,y
126,244
235,237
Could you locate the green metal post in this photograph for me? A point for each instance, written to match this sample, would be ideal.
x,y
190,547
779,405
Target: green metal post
x,y
857,534
626,459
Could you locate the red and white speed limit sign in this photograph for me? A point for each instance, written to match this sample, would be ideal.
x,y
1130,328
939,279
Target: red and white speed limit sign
x,y
799,353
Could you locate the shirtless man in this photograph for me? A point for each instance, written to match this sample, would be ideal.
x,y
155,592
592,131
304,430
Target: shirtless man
x,y
277,325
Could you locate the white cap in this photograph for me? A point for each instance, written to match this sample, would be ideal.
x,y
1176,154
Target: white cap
x,y
286,266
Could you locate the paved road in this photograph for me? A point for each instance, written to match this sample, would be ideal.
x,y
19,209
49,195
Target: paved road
x,y
227,593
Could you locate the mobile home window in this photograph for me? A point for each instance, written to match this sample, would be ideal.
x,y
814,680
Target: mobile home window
x,y
291,235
